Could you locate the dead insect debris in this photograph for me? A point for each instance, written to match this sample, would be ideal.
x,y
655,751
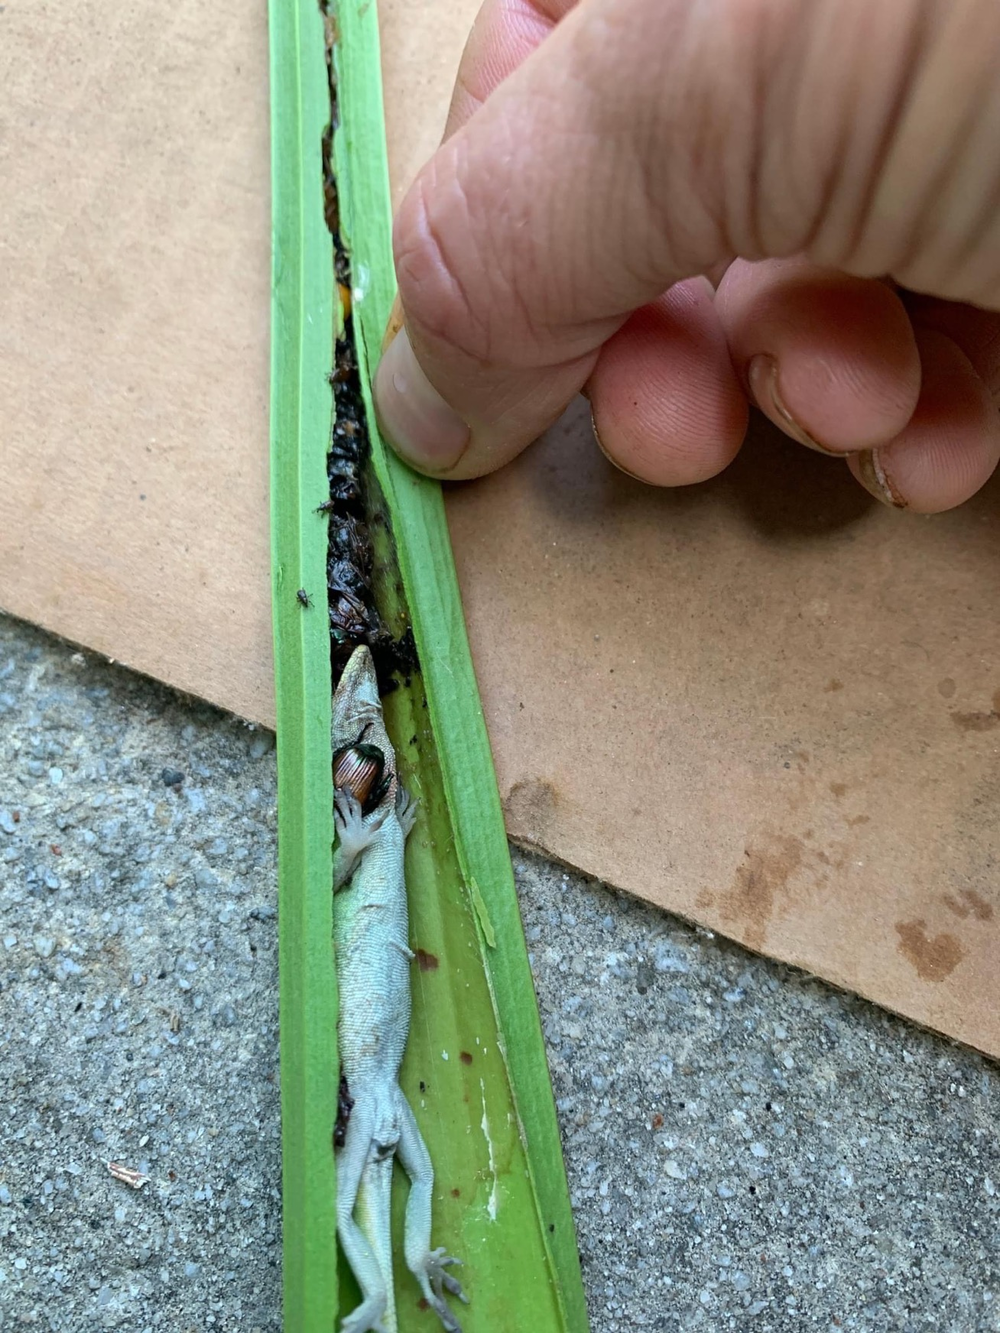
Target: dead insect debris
x,y
128,1175
352,508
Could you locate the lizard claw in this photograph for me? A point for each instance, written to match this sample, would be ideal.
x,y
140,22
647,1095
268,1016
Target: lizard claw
x,y
347,812
406,810
441,1278
435,1280
351,824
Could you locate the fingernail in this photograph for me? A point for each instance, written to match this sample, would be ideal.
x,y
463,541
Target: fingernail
x,y
394,324
412,415
611,459
762,375
876,480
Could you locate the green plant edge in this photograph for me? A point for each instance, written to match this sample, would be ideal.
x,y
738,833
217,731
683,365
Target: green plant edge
x,y
302,339
420,530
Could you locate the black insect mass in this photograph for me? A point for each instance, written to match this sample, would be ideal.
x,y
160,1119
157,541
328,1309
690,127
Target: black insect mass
x,y
350,570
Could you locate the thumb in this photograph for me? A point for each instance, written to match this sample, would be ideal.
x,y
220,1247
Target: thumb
x,y
645,141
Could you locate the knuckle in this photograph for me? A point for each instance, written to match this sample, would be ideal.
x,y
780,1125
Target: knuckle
x,y
867,153
435,249
465,269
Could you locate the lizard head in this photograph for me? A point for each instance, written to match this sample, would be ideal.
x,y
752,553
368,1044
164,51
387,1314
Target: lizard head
x,y
355,700
358,732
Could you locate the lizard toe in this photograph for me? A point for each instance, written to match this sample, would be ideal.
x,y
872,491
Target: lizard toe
x,y
347,812
437,1277
448,1321
366,1318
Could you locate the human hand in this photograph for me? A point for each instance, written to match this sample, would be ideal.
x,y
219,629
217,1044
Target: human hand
x,y
822,161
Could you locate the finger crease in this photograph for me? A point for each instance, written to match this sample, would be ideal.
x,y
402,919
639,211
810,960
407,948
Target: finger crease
x,y
909,66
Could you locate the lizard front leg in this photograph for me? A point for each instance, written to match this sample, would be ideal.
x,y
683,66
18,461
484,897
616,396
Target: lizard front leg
x,y
355,832
429,1267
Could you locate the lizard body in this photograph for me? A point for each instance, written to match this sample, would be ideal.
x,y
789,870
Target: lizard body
x,y
371,929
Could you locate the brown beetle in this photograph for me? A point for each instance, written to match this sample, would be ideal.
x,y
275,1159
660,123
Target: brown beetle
x,y
360,769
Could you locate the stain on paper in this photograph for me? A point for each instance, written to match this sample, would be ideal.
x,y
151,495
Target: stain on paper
x,y
934,956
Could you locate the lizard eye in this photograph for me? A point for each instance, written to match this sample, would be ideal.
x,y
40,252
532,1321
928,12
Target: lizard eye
x,y
358,769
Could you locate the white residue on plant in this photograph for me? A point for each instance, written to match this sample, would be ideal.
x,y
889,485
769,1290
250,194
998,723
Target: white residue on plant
x,y
491,1203
360,290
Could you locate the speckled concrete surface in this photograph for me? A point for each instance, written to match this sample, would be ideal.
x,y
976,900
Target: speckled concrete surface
x,y
749,1149
746,1148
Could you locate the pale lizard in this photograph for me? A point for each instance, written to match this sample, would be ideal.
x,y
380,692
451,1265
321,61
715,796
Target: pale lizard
x,y
371,927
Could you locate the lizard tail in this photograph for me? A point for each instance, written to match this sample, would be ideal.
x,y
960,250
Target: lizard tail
x,y
373,1213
